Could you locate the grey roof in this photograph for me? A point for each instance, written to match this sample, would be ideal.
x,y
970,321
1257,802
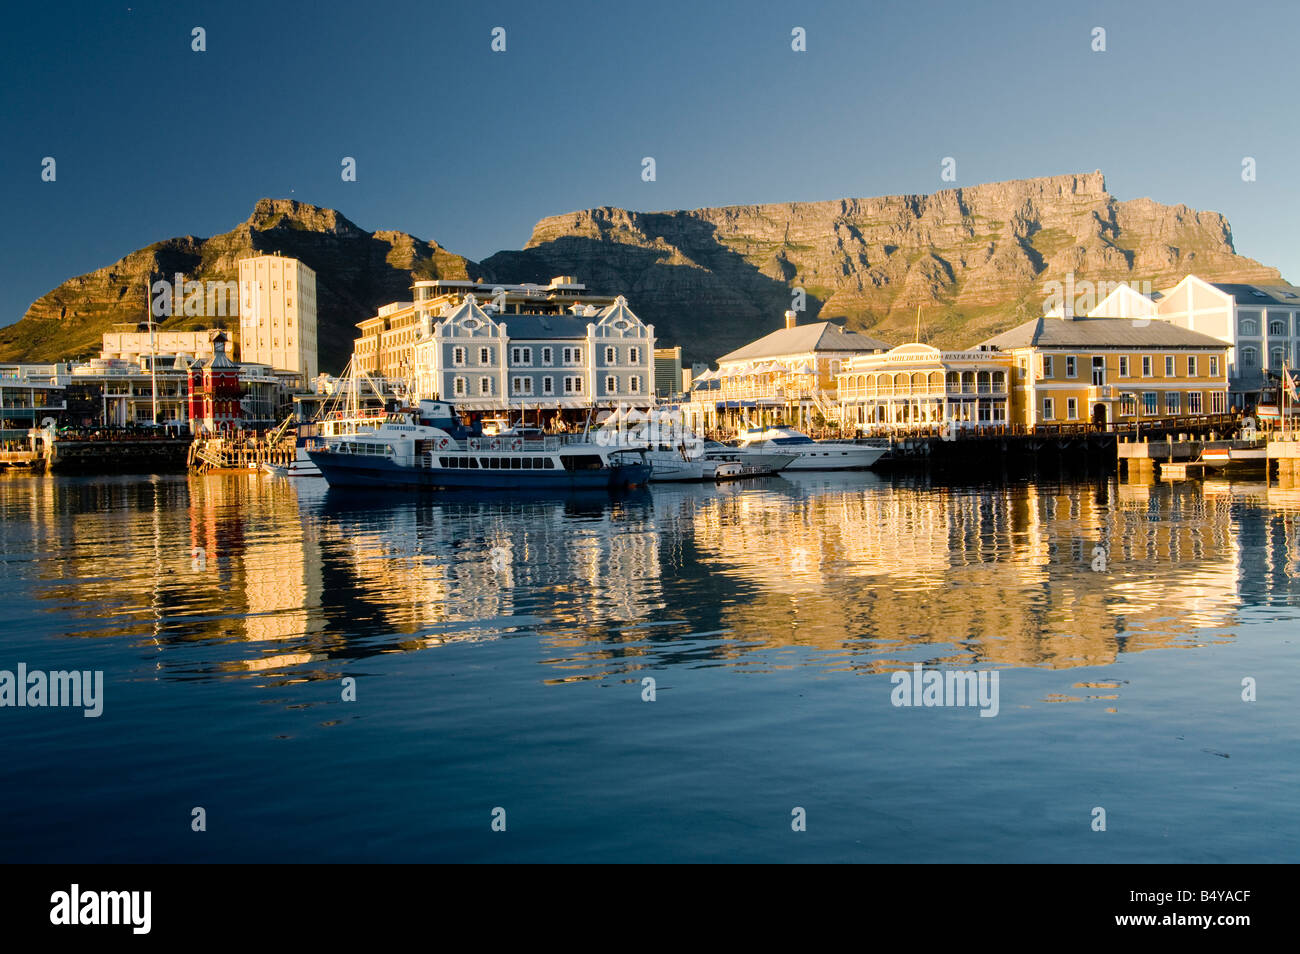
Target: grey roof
x,y
1101,333
818,336
1261,294
532,327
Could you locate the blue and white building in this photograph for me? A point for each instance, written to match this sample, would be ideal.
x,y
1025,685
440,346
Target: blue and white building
x,y
587,357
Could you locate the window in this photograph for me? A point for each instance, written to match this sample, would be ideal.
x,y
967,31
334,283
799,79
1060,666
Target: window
x,y
1249,358
1247,326
1194,405
458,387
1123,366
289,302
1049,409
1218,402
1276,357
568,356
1277,328
273,286
633,355
485,385
1072,408
1191,365
1150,403
458,357
516,355
634,384
1214,365
1146,366
288,284
548,385
572,385
611,356
484,355
1098,370
611,384
547,356
1169,366
1047,366
521,385
1173,402
1071,366
1128,405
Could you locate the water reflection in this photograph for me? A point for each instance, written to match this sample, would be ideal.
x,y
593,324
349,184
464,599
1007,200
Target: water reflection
x,y
224,576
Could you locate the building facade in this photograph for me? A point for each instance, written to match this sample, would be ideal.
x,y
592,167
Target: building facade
x,y
482,359
789,376
386,346
277,314
916,385
1259,323
1111,370
215,392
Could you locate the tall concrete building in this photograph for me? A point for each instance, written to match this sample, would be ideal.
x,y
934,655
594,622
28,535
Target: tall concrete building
x,y
277,314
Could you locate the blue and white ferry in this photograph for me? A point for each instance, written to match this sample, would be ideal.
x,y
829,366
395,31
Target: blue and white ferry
x,y
428,448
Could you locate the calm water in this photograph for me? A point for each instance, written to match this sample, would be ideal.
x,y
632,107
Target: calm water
x,y
498,651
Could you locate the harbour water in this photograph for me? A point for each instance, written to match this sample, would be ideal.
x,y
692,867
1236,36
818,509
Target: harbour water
x,y
1144,638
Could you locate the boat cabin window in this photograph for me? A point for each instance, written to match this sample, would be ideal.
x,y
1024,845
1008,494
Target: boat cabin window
x,y
582,462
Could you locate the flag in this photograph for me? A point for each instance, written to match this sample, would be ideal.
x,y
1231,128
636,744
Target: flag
x,y
1289,383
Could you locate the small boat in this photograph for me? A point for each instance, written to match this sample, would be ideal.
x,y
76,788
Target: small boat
x,y
676,454
809,454
428,448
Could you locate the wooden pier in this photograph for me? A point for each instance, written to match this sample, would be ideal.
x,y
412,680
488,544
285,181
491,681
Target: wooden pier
x,y
239,454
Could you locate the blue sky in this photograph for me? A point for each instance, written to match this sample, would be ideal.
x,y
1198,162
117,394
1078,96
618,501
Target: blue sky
x,y
457,143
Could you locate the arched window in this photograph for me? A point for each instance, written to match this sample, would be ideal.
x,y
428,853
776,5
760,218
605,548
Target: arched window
x,y
1276,357
983,379
1247,326
918,381
1249,358
1277,328
999,381
953,381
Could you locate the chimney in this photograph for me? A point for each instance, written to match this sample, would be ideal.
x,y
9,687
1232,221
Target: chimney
x,y
790,319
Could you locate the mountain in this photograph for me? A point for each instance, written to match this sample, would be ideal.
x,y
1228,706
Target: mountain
x,y
975,260
356,272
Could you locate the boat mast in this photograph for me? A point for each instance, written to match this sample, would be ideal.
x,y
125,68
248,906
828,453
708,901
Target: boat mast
x,y
153,350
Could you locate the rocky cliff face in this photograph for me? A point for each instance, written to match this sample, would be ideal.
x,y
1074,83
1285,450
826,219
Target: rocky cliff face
x,y
975,260
356,272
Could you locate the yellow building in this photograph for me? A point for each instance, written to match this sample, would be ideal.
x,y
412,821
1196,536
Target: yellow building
x,y
788,376
916,385
1112,371
277,314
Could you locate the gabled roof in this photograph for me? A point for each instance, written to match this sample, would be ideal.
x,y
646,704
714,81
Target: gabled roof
x,y
1101,333
818,336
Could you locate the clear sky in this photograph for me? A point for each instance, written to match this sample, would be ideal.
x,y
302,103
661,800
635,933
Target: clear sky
x,y
467,146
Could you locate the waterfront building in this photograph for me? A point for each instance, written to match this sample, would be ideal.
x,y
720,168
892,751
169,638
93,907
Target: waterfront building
x,y
214,392
1259,323
669,375
917,385
788,376
1111,370
483,359
133,343
29,394
277,314
386,346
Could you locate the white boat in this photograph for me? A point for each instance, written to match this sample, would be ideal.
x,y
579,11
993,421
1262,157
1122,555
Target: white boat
x,y
676,454
808,453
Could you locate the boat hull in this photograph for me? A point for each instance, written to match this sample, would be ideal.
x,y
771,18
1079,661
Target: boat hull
x,y
818,456
353,470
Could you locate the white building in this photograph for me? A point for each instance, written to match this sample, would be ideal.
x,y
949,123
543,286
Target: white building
x,y
277,314
1260,323
482,360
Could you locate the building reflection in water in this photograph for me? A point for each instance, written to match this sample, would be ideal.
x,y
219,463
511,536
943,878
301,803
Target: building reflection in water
x,y
225,574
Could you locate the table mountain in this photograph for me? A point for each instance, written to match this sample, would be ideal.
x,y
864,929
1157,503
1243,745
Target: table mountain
x,y
974,259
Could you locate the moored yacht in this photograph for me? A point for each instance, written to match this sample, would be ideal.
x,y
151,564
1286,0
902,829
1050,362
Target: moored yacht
x,y
428,448
808,453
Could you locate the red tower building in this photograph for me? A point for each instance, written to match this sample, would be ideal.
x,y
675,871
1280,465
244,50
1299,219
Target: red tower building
x,y
215,391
